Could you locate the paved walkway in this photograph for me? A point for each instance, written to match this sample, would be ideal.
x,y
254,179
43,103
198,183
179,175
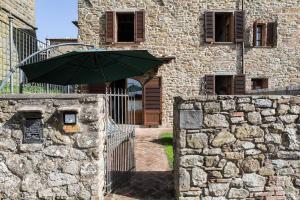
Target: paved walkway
x,y
153,179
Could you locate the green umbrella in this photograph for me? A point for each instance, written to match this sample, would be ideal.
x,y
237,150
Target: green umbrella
x,y
91,67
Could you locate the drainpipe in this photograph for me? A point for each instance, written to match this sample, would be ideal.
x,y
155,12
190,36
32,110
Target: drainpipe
x,y
10,51
243,46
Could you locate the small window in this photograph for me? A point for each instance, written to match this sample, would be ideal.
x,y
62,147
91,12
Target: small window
x,y
259,83
259,36
264,34
125,27
225,84
224,27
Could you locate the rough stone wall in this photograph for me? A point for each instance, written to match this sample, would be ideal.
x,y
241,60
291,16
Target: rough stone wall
x,y
175,28
64,166
22,11
231,147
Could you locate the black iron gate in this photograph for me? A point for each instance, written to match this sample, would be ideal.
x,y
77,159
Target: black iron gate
x,y
120,160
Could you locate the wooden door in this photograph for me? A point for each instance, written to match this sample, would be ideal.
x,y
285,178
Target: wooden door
x,y
152,102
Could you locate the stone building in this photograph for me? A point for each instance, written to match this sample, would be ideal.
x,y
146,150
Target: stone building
x,y
22,13
220,47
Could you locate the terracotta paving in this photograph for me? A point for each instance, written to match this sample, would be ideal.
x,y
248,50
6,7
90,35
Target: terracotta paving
x,y
153,178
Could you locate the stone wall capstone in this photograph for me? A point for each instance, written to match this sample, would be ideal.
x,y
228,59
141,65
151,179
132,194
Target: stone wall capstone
x,y
64,165
246,147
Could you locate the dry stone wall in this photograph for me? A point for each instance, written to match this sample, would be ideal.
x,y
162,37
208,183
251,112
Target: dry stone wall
x,y
237,147
176,28
64,165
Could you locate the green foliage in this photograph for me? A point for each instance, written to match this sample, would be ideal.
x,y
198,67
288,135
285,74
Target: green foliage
x,y
167,140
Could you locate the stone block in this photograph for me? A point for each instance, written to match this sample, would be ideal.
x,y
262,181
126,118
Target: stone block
x,y
254,180
283,109
228,105
89,170
199,177
268,112
263,103
31,183
250,165
56,151
184,180
246,107
234,155
7,144
211,161
212,107
222,138
216,121
254,118
235,193
247,132
237,120
191,119
71,167
218,189
231,170
59,179
290,155
88,140
289,118
191,161
197,140
19,164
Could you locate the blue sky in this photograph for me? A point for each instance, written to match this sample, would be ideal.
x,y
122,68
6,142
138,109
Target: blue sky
x,y
54,18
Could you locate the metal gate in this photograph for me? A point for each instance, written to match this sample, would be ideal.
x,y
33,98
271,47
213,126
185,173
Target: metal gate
x,y
120,160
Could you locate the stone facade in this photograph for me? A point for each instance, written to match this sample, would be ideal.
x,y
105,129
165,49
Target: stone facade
x,y
175,28
23,9
240,147
23,13
65,165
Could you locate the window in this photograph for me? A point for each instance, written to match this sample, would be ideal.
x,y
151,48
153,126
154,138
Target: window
x,y
259,83
264,34
125,26
224,26
259,36
225,84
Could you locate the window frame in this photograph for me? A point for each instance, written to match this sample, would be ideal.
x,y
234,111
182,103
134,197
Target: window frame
x,y
135,12
234,14
117,26
265,83
264,34
232,28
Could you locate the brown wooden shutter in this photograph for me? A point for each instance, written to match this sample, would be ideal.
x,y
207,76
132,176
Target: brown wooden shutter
x,y
264,35
239,26
271,34
254,33
210,84
239,84
110,26
140,26
209,26
152,102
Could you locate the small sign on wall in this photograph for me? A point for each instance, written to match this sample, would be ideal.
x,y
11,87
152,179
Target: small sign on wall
x,y
33,128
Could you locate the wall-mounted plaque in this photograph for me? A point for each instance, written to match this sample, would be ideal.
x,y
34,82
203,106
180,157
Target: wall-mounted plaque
x,y
33,128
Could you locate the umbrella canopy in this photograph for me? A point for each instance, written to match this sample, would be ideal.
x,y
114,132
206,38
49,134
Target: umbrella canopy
x,y
91,67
